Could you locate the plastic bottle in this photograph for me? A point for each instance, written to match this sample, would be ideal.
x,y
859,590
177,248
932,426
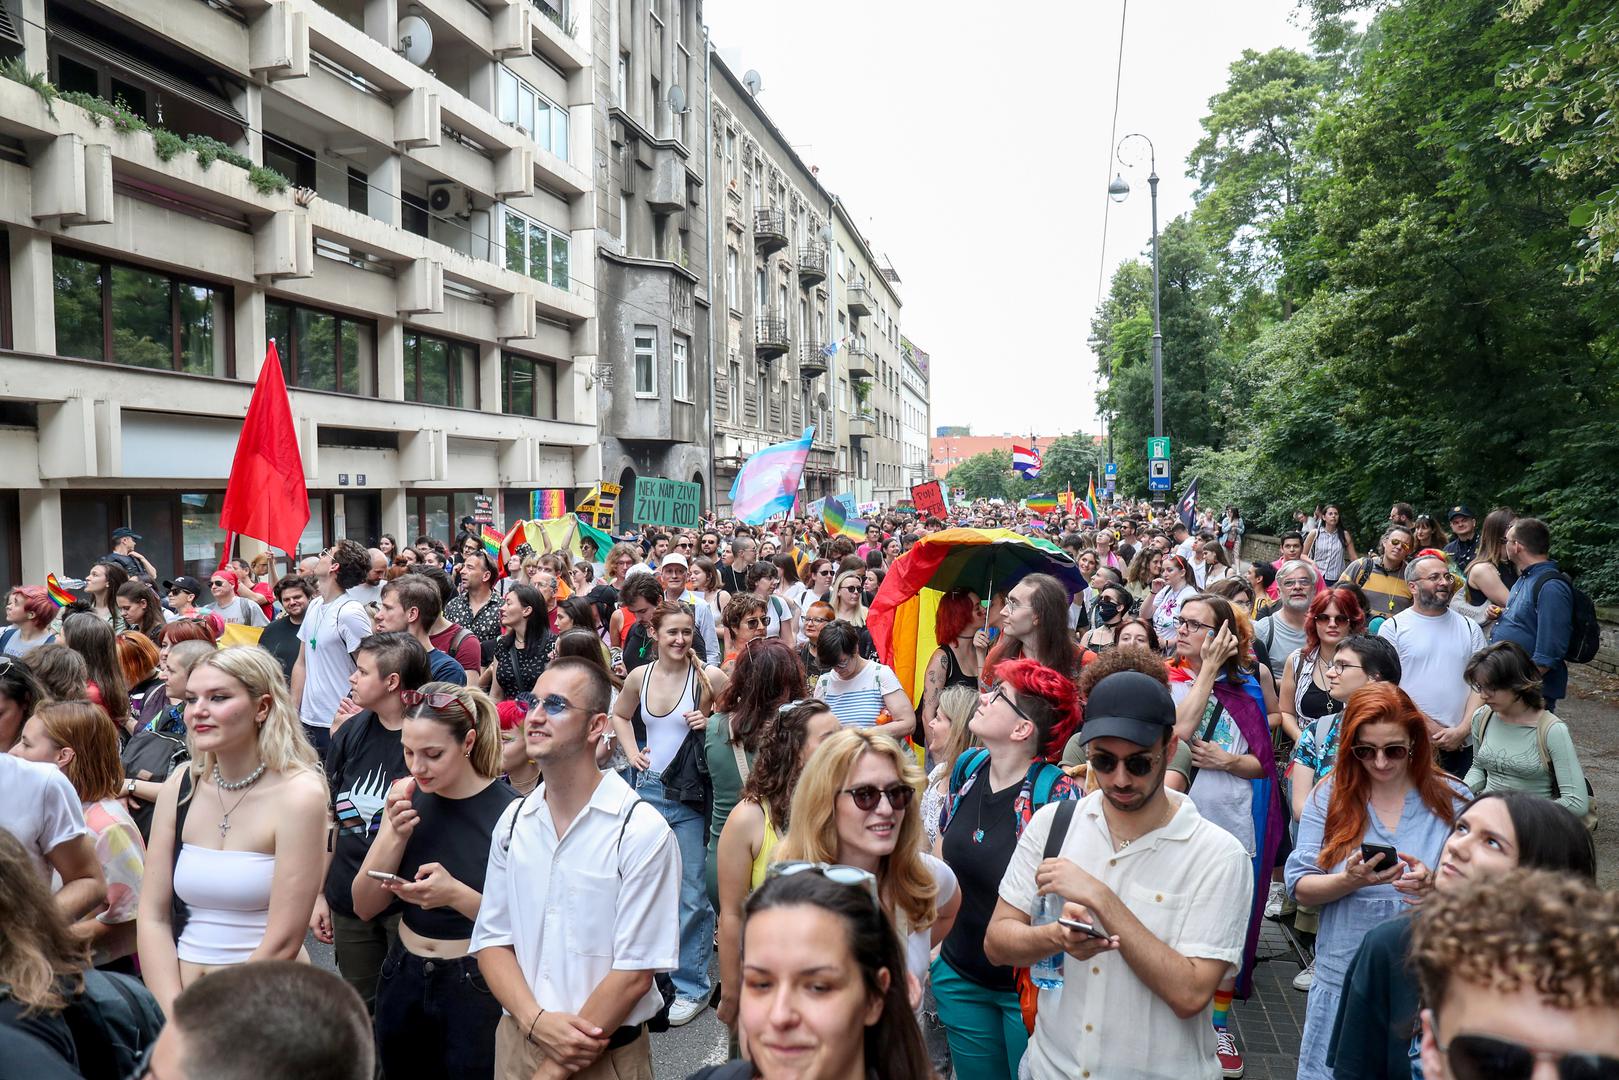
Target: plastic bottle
x,y
1047,973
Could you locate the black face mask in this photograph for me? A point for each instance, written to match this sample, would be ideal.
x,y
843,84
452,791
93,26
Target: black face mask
x,y
1106,610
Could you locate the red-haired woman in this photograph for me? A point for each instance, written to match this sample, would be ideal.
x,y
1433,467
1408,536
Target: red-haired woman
x,y
1386,792
1306,697
29,611
1024,723
955,661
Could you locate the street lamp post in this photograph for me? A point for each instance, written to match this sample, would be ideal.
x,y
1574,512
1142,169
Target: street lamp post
x,y
1119,190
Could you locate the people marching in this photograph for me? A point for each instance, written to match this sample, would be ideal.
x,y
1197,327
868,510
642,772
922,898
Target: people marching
x,y
913,810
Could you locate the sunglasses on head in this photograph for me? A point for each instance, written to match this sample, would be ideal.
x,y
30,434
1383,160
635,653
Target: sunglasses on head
x,y
437,702
1484,1057
852,876
1103,763
866,796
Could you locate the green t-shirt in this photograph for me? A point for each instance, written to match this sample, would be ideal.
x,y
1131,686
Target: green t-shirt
x,y
727,780
1508,759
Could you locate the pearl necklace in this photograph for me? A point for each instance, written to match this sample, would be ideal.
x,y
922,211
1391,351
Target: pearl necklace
x,y
237,785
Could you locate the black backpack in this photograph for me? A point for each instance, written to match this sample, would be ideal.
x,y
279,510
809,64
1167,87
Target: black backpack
x,y
1584,631
113,1023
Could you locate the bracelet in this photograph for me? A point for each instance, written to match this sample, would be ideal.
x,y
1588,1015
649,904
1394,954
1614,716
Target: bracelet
x,y
528,1036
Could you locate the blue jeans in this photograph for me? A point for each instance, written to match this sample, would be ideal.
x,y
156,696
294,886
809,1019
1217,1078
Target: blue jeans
x,y
696,915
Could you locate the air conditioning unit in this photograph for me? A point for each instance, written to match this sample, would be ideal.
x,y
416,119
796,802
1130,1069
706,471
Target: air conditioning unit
x,y
445,198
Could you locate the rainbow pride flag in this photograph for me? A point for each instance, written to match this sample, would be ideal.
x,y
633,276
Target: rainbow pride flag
x,y
767,483
1041,504
1091,504
59,595
839,523
492,542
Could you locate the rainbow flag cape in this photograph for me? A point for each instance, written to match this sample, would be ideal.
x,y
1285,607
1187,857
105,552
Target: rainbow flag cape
x,y
767,483
1040,504
839,523
492,544
60,596
1091,505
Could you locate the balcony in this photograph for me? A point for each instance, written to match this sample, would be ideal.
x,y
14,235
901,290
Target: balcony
x,y
811,364
860,363
862,427
811,265
770,229
769,336
859,301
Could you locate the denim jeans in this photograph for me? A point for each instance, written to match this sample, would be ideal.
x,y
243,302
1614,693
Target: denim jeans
x,y
435,1017
696,915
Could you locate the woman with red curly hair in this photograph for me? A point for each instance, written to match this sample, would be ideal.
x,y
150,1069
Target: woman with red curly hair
x,y
955,661
1385,792
1024,722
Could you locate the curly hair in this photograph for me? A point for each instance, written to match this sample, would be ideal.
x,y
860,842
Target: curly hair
x,y
767,675
1528,929
1140,569
1123,658
776,769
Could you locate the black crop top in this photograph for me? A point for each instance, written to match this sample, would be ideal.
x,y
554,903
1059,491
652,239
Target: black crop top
x,y
455,834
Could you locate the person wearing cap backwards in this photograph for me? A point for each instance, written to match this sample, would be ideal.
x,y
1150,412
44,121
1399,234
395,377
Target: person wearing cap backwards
x,y
1166,891
124,554
182,594
672,575
1463,547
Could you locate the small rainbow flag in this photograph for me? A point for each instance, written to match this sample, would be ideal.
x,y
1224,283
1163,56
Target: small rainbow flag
x,y
838,523
60,596
1041,504
492,541
1091,506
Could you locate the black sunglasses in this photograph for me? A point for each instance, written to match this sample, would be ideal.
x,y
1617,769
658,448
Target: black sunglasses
x,y
1103,763
866,796
1484,1057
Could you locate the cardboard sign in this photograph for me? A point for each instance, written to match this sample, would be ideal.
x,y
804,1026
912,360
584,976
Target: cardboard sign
x,y
929,499
483,510
813,512
659,501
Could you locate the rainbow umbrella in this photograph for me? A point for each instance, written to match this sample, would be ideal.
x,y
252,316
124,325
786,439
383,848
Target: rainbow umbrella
x,y
983,560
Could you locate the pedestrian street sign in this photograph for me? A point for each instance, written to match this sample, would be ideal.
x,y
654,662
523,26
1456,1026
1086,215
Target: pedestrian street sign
x,y
1158,448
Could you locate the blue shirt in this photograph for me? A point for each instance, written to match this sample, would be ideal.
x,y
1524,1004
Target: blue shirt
x,y
1541,629
445,668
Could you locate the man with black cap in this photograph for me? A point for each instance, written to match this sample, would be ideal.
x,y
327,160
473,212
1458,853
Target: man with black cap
x,y
1155,904
182,595
124,554
1464,530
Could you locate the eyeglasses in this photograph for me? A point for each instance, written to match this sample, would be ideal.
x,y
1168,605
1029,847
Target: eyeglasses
x,y
1338,667
866,796
850,588
852,876
1193,625
999,694
1392,752
1484,1057
437,702
1297,583
1103,763
1328,617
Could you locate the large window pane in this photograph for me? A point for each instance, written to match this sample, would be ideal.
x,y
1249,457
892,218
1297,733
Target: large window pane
x,y
559,261
317,350
525,109
545,391
435,515
559,132
520,387
278,327
142,322
359,358
515,231
202,542
464,388
505,95
542,124
434,369
202,330
536,252
78,308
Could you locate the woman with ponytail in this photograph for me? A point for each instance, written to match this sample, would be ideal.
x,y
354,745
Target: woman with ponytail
x,y
435,1014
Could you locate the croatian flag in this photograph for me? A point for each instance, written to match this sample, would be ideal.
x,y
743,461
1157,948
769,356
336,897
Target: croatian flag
x,y
767,483
1026,461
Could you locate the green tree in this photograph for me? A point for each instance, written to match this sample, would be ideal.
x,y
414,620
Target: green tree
x,y
983,476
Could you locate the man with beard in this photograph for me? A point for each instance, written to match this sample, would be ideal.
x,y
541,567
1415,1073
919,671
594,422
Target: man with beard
x,y
1282,631
1435,644
1162,893
281,637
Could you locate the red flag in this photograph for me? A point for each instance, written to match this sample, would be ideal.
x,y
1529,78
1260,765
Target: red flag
x,y
265,498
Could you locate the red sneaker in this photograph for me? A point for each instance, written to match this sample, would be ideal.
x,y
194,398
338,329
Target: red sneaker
x,y
1226,1050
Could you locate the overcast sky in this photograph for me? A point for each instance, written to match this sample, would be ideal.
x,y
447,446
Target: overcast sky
x,y
970,144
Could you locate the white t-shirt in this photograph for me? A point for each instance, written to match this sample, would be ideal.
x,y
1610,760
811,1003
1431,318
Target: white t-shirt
x,y
1434,650
857,701
1223,798
241,611
1191,886
39,807
330,633
919,943
367,593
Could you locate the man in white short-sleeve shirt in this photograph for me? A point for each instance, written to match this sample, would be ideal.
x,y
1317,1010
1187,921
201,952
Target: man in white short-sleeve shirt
x,y
1435,644
581,902
333,627
1170,890
40,808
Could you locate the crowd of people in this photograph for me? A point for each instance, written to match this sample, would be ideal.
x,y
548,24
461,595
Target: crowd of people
x,y
1053,859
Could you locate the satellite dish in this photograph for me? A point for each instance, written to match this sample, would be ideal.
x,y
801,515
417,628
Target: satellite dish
x,y
677,99
415,39
820,400
826,232
752,81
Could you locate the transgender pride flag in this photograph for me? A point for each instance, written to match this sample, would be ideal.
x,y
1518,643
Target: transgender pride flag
x,y
768,483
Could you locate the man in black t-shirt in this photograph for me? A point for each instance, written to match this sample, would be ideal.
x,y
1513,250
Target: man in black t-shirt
x,y
293,593
364,760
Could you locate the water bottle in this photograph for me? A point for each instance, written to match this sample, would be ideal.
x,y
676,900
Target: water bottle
x,y
1047,973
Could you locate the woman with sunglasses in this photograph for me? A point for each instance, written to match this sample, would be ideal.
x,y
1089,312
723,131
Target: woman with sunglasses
x,y
817,617
1375,1033
435,1015
1387,793
754,828
521,652
1170,590
746,619
852,806
1023,723
1113,604
1335,615
847,598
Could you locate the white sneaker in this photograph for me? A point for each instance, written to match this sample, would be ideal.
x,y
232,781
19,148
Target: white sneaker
x,y
1274,902
684,1011
1301,981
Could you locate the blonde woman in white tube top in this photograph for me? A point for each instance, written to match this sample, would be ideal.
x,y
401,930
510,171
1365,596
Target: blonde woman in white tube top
x,y
239,836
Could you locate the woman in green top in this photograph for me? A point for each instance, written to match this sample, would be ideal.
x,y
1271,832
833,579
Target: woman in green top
x,y
767,676
1520,746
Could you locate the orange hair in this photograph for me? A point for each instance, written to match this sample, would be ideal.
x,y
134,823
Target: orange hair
x,y
1379,703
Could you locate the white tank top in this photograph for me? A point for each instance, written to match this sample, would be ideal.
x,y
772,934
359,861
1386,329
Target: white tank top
x,y
666,731
228,894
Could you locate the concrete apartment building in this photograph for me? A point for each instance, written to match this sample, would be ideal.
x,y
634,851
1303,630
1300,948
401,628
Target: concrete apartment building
x,y
649,134
868,383
915,411
775,297
428,273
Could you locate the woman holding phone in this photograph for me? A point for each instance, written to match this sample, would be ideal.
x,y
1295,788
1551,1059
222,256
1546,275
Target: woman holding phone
x,y
1369,833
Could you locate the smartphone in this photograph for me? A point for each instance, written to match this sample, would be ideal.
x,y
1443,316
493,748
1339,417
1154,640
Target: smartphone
x,y
1379,856
381,875
1083,928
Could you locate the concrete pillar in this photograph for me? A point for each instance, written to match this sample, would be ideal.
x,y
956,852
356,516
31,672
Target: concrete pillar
x,y
384,201
249,101
489,378
40,529
250,333
382,21
640,59
396,515
31,22
33,301
391,359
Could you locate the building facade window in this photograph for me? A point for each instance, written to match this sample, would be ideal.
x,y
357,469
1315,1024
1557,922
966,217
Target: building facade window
x,y
733,287
528,387
519,104
646,361
321,350
440,371
533,249
735,390
679,369
140,317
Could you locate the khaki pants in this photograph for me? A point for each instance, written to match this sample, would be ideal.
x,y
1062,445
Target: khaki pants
x,y
516,1058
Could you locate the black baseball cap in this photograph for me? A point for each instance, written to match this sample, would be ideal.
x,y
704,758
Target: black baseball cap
x,y
1459,510
123,531
1128,705
189,584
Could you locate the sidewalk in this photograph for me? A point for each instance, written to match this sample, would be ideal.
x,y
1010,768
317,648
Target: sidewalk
x,y
1270,1024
